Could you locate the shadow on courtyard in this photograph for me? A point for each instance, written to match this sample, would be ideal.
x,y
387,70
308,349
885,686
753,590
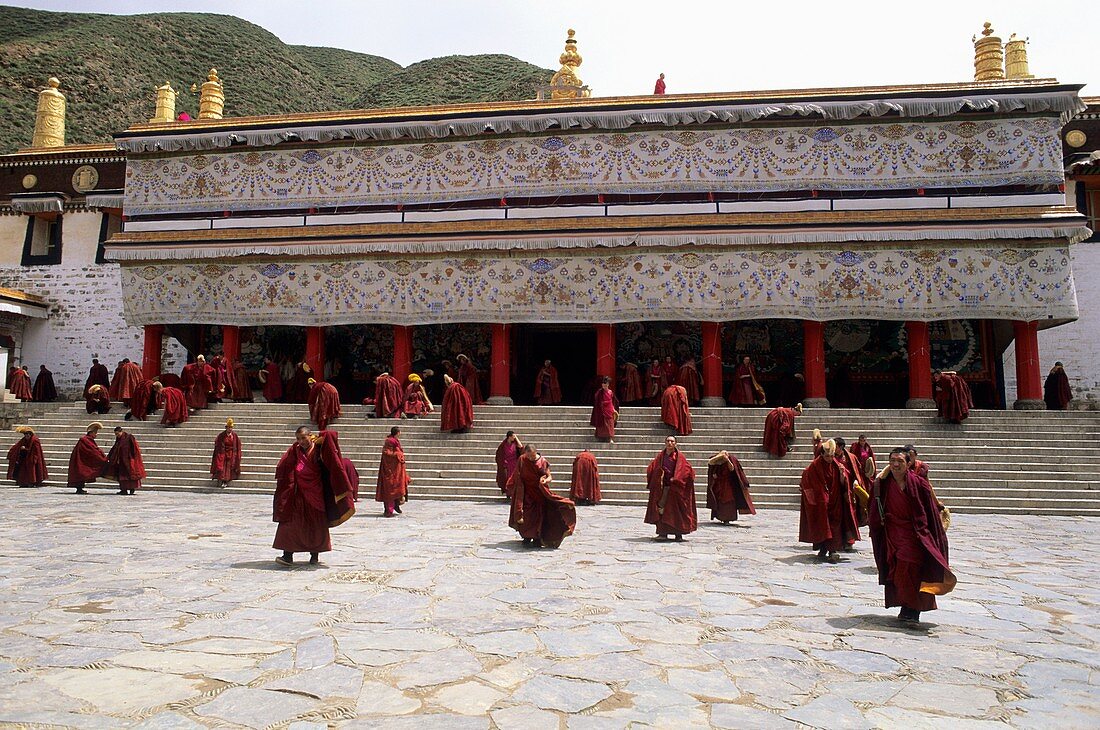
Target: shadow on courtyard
x,y
275,567
878,622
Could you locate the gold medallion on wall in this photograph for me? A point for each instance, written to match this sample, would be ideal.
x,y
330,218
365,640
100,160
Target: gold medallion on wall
x,y
29,181
85,178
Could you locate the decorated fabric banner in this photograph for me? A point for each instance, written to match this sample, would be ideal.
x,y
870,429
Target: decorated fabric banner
x,y
704,284
843,156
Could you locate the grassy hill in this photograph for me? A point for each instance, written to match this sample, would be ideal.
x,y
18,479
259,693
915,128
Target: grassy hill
x,y
109,66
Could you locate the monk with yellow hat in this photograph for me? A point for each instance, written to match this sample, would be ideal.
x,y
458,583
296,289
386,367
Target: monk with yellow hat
x,y
226,463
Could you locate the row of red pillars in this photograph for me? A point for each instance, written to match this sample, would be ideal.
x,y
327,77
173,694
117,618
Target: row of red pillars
x,y
1028,375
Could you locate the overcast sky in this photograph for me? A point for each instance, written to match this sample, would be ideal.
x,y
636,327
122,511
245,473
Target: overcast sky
x,y
700,46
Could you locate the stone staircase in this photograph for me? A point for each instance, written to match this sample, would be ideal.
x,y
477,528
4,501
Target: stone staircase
x,y
997,462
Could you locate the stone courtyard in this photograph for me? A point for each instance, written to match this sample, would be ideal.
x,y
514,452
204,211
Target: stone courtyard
x,y
167,611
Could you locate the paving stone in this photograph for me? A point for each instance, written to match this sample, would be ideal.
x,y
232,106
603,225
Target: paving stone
x,y
376,698
333,680
585,641
858,662
168,721
949,699
143,689
466,698
316,651
712,685
255,708
566,695
525,717
504,643
829,713
440,667
738,717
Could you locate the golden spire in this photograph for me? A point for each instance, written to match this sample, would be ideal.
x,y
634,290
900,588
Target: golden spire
x,y
566,84
212,98
1016,59
166,105
989,57
49,120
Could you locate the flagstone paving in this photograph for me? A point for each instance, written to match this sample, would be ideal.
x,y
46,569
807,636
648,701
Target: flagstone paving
x,y
168,611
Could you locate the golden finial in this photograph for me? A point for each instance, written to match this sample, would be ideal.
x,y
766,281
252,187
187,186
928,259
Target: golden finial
x,y
166,105
565,84
989,57
212,98
49,120
1016,59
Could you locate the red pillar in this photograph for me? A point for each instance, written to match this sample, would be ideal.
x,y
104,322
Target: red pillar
x,y
150,354
500,389
231,343
315,351
1029,379
605,351
813,357
712,364
920,366
402,353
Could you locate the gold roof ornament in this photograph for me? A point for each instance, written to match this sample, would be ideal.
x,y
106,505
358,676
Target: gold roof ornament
x,y
49,120
1016,59
565,84
212,98
989,57
166,105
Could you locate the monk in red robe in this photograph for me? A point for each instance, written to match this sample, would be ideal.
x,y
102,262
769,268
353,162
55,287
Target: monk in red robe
x,y
859,488
605,411
746,389
826,519
910,543
98,375
953,399
547,387
240,384
297,388
353,478
542,518
727,489
865,457
225,464
126,379
507,457
655,382
584,488
124,463
470,378
142,401
779,430
458,409
389,399
174,404
674,409
393,478
659,87
21,385
272,380
324,403
630,385
26,462
1056,390
87,461
195,379
312,494
669,370
417,402
690,380
97,400
44,389
671,482
219,377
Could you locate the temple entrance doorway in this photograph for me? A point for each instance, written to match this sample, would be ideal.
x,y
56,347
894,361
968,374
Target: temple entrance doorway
x,y
572,350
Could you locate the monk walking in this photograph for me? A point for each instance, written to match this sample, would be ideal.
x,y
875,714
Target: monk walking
x,y
547,387
675,412
393,478
44,389
746,389
605,411
272,380
126,379
507,457
779,430
542,518
822,522
458,410
240,386
1056,390
225,465
865,457
470,378
584,488
312,494
324,403
26,462
87,460
143,401
195,380
630,385
953,399
655,382
910,543
690,379
727,489
124,463
671,482
97,375
97,400
174,404
21,385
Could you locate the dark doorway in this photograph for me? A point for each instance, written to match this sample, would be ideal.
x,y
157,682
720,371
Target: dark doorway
x,y
572,350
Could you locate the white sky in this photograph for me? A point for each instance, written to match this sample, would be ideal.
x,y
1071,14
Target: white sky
x,y
700,46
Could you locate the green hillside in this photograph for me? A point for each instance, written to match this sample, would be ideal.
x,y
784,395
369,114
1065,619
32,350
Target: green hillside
x,y
109,66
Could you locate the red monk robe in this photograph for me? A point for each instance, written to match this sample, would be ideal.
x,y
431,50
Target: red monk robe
x,y
655,383
86,462
858,483
470,378
21,385
659,87
389,398
297,388
630,384
97,400
44,389
174,404
746,389
865,458
507,456
417,402
826,519
240,385
26,462
273,382
727,489
98,375
1056,390
547,387
324,404
541,517
225,464
674,409
195,379
690,380
124,463
219,377
458,410
584,487
143,400
126,379
312,494
671,482
953,399
353,478
910,544
779,430
605,413
393,478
